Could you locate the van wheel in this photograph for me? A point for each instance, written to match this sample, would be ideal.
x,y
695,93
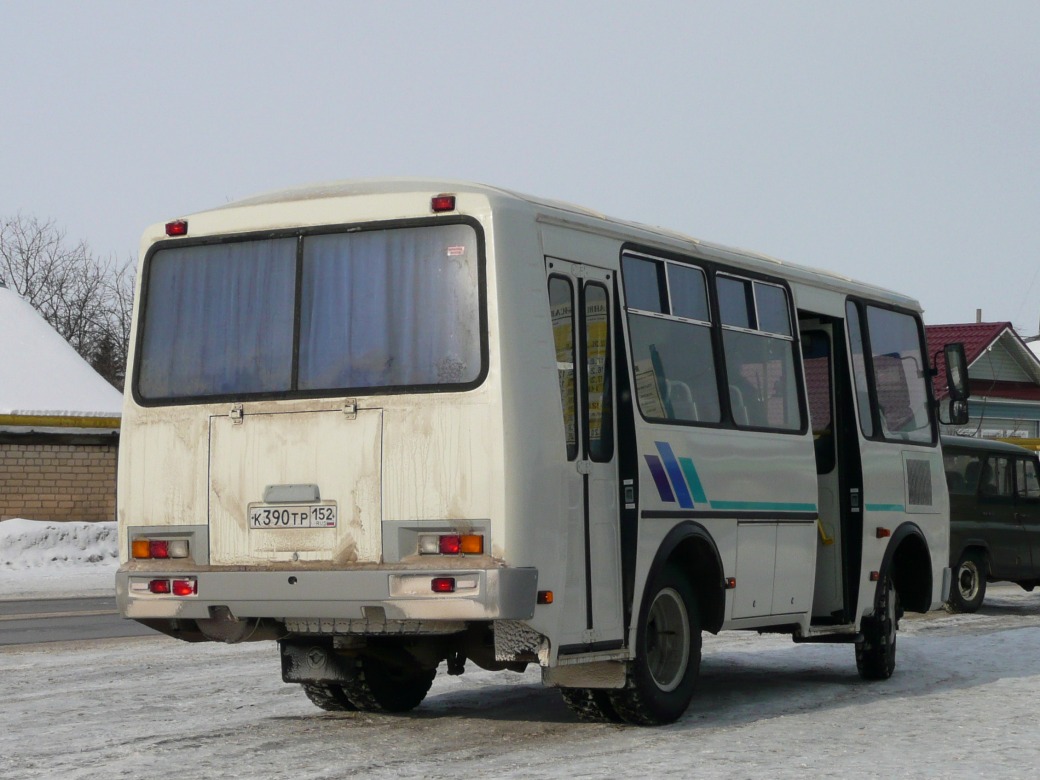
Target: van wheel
x,y
664,672
381,687
329,696
969,584
876,651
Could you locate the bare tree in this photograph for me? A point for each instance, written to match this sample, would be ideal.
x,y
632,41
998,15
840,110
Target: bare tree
x,y
87,299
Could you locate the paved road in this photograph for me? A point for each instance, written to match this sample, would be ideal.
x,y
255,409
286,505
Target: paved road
x,y
30,621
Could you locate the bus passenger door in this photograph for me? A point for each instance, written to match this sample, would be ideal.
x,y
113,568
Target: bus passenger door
x,y
838,469
581,301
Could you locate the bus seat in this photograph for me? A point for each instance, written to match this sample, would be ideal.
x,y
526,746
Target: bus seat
x,y
681,400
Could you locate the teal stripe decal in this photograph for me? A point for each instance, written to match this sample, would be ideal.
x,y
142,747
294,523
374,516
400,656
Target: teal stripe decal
x,y
886,508
764,506
696,487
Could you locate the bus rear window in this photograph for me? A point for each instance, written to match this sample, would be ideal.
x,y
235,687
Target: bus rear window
x,y
379,309
219,320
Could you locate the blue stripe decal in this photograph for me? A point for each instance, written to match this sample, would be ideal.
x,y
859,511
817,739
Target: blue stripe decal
x,y
660,479
675,474
693,480
764,506
886,508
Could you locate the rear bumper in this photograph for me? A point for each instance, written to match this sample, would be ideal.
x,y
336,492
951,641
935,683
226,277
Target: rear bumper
x,y
373,594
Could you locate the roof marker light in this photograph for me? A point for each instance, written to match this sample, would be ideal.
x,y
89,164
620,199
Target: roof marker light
x,y
179,227
438,203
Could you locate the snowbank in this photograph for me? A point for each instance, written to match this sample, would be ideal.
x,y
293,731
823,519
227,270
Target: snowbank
x,y
57,559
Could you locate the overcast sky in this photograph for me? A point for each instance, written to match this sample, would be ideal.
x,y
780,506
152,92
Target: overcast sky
x,y
894,142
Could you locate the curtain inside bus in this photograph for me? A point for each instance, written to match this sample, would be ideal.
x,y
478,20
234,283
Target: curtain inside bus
x,y
378,309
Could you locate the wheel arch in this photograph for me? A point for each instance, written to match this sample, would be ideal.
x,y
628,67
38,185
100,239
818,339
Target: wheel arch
x,y
972,545
908,561
693,550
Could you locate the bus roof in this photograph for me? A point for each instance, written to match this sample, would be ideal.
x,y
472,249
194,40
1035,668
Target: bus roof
x,y
560,211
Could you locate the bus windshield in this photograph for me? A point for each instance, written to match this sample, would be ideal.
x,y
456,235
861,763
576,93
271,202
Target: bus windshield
x,y
312,314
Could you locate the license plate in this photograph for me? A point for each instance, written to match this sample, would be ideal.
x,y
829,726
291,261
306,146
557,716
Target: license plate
x,y
269,516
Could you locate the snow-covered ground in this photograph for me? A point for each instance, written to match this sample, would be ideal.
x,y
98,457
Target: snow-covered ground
x,y
962,703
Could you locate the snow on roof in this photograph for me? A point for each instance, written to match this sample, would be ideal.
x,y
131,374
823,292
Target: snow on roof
x,y
41,374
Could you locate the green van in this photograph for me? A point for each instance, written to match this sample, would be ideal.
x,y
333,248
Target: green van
x,y
994,517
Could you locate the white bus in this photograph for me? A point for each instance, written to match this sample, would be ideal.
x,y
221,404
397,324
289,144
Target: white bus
x,y
393,424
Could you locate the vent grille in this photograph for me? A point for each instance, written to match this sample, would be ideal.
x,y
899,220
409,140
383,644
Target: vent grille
x,y
919,482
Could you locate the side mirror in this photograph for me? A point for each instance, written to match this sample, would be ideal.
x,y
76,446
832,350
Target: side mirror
x,y
953,412
956,372
954,409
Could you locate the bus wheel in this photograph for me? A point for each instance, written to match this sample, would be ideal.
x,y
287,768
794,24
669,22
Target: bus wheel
x,y
876,651
969,584
381,687
664,672
591,704
329,697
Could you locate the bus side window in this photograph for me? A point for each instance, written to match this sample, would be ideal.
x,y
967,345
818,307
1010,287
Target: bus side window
x,y
561,307
816,358
758,346
669,322
859,368
598,386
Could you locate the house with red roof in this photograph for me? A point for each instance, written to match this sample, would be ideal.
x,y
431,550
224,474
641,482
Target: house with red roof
x,y
1004,376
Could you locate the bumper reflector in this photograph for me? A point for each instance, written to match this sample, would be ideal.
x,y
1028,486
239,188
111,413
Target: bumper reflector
x,y
442,584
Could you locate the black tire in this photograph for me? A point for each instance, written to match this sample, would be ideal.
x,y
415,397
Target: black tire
x,y
876,651
662,677
329,696
592,705
381,687
969,583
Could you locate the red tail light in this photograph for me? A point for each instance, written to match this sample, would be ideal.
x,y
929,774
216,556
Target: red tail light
x,y
159,586
185,587
450,545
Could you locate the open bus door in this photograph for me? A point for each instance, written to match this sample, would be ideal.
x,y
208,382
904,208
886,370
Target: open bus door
x,y
581,300
838,468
